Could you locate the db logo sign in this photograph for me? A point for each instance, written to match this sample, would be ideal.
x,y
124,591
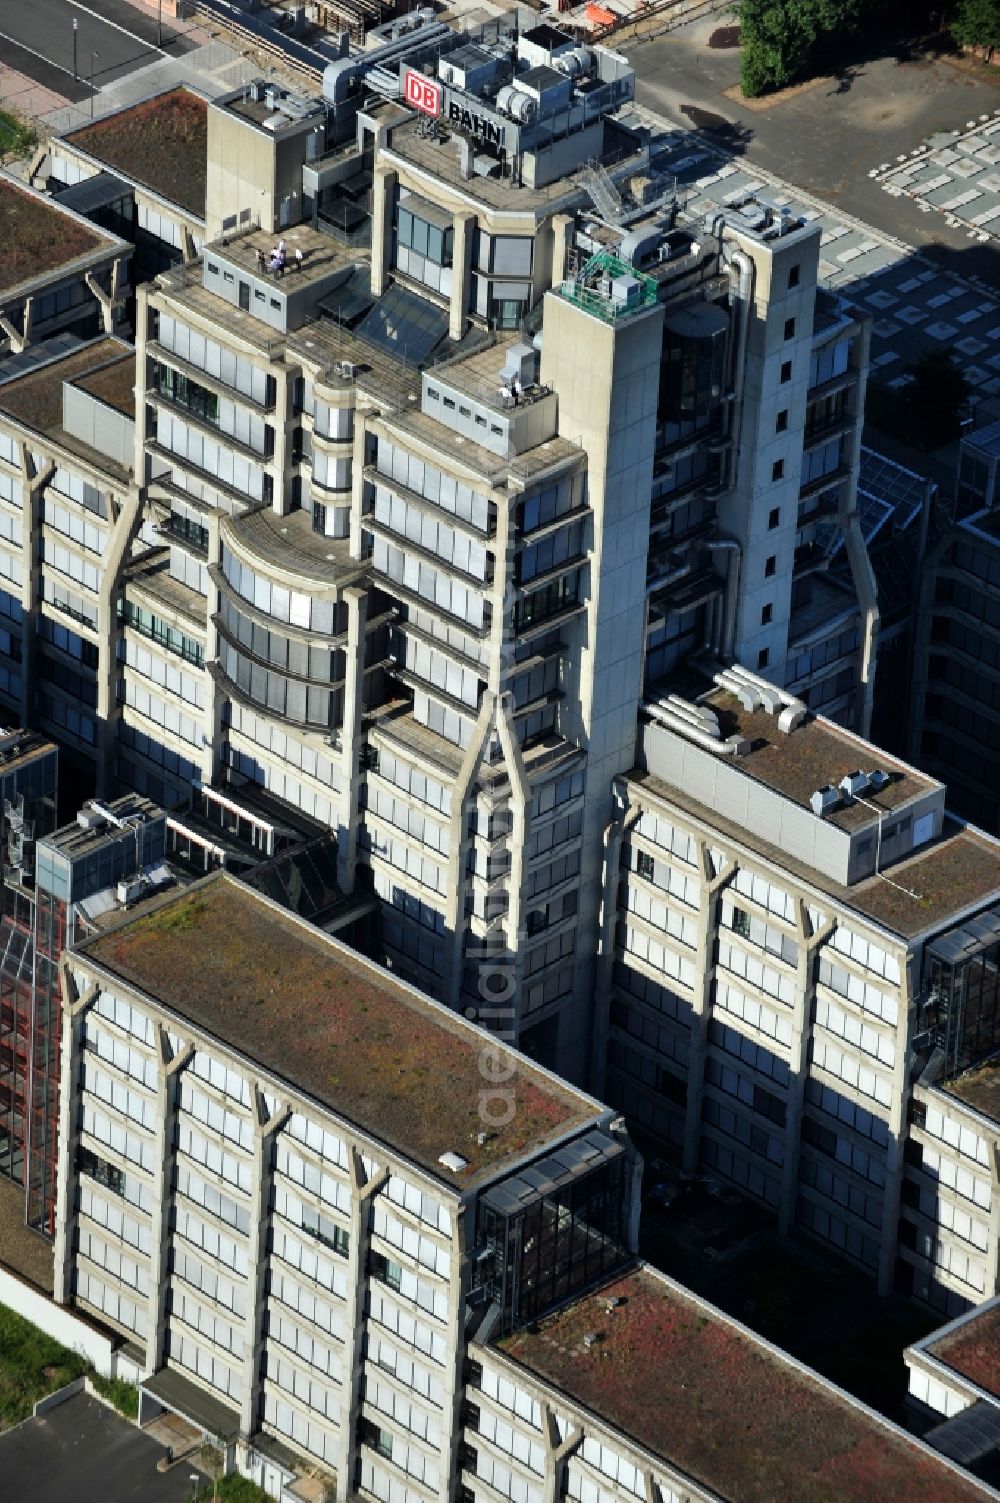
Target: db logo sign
x,y
423,93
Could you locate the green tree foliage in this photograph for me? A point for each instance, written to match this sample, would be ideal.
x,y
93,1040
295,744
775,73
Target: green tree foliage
x,y
976,23
784,40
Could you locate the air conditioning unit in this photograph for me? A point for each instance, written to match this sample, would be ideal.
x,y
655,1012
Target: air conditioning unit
x,y
89,819
129,891
853,784
824,800
347,368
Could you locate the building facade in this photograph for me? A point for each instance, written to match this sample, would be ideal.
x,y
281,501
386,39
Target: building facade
x,y
330,1281
295,1249
429,495
773,953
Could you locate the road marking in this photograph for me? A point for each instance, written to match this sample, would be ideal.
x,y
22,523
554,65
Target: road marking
x,y
42,58
96,15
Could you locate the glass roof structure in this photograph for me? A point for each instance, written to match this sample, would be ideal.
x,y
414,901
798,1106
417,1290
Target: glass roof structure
x,y
405,325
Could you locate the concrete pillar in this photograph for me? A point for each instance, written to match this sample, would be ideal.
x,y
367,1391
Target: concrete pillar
x,y
350,735
362,1191
280,464
33,483
898,1112
383,197
993,1246
266,1126
74,1009
461,273
708,930
168,1068
126,519
810,941
451,1414
562,226
614,836
557,1453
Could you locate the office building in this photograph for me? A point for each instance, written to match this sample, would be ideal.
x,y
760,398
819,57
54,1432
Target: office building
x,y
955,723
139,171
370,1251
284,1175
432,495
62,278
28,777
953,1394
796,932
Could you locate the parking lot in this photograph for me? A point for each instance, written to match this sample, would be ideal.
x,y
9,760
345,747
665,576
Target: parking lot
x,y
827,137
82,1452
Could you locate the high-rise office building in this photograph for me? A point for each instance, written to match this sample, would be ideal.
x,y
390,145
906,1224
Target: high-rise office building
x,y
457,439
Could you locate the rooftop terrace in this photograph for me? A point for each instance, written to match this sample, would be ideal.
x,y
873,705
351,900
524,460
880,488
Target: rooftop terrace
x,y
971,1347
334,1026
724,1408
957,872
321,254
160,144
978,1088
38,237
816,753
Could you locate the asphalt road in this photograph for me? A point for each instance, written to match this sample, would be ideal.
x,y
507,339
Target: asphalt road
x,y
826,139
112,38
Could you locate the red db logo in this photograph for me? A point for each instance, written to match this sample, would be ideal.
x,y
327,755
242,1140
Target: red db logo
x,y
423,93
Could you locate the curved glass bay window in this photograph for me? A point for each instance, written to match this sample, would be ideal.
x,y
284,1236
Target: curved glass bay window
x,y
692,371
545,1244
282,672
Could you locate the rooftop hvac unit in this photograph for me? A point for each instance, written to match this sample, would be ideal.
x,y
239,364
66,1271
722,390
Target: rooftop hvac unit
x,y
130,891
853,784
878,779
257,90
88,818
272,96
824,800
347,368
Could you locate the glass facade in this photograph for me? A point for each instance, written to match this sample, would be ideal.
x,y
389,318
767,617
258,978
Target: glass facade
x,y
556,1243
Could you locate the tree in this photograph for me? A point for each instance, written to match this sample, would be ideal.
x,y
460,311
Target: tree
x,y
935,398
783,38
776,44
976,23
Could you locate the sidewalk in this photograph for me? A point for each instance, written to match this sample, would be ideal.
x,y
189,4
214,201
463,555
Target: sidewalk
x,y
25,96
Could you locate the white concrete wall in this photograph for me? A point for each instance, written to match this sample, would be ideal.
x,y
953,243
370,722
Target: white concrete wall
x,y
61,1324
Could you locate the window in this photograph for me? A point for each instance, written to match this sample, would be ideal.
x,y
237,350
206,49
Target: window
x,y
774,520
794,272
387,1270
227,276
108,1175
786,372
644,865
778,470
789,328
276,302
766,614
770,566
213,268
762,657
781,425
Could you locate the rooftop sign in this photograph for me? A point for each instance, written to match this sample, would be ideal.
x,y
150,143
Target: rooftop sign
x,y
422,93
